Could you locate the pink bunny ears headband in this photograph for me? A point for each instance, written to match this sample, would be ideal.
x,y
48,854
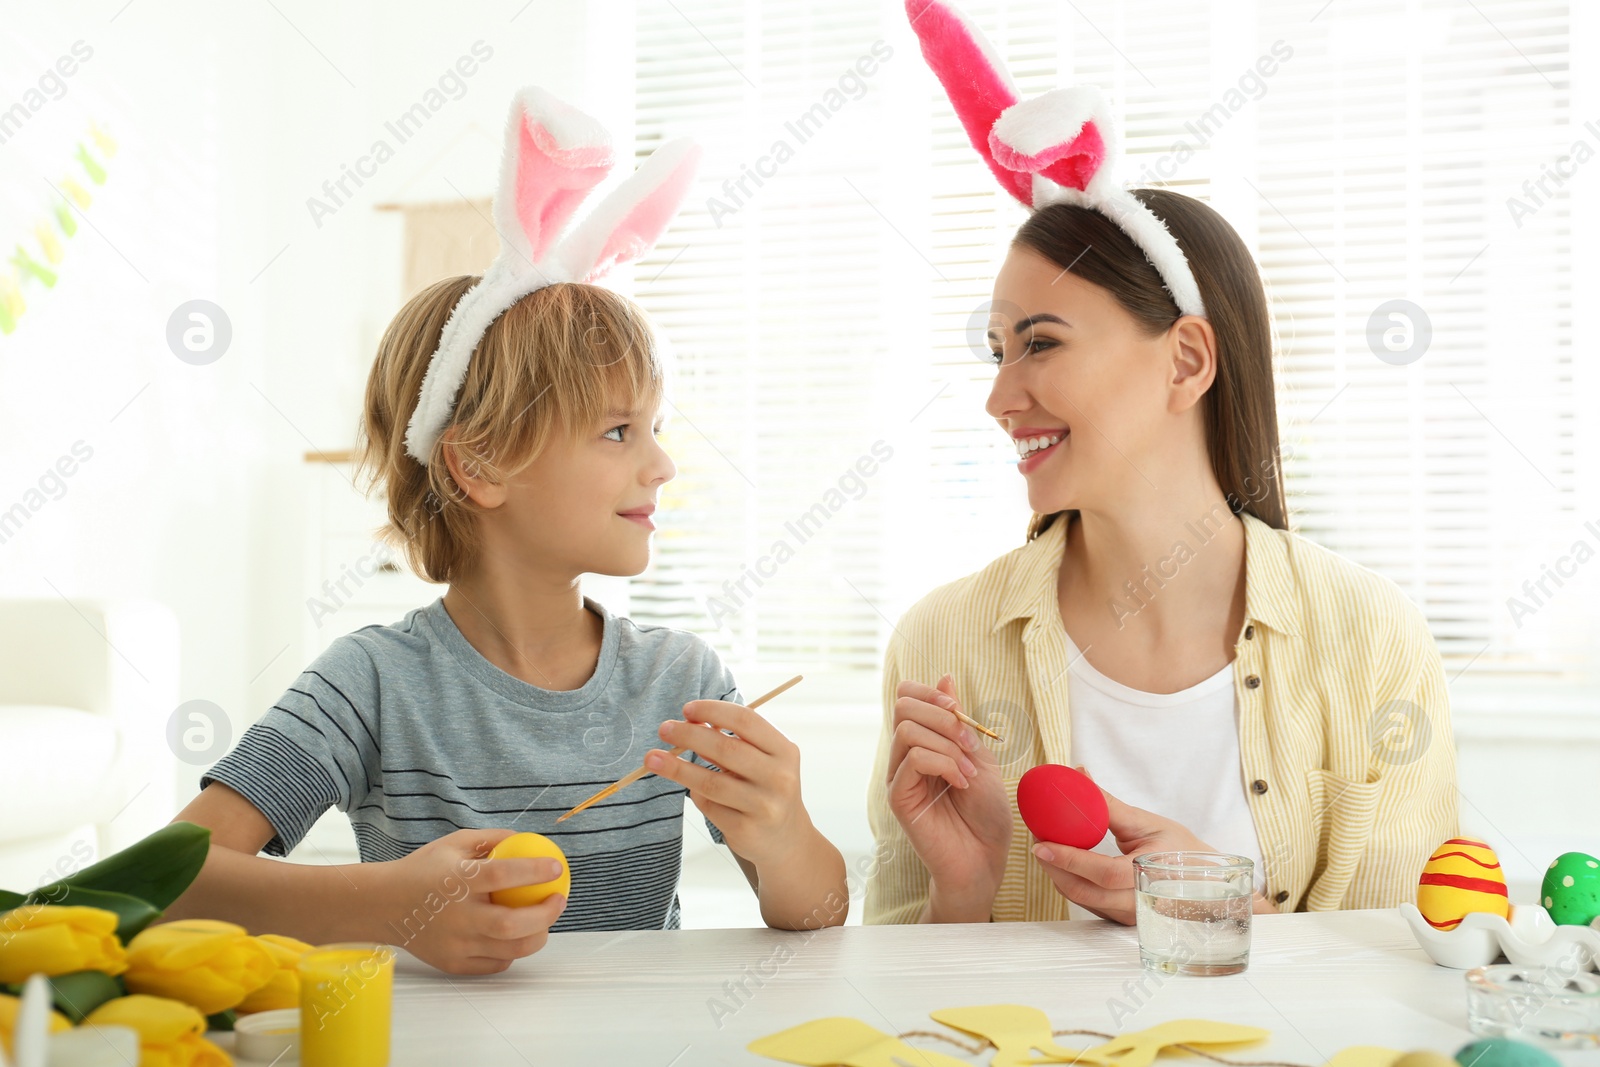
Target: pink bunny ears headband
x,y
1059,146
554,156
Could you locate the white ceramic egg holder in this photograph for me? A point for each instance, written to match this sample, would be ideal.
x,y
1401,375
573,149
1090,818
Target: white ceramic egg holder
x,y
1530,938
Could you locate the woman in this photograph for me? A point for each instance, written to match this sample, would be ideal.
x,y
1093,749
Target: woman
x,y
1230,685
1160,589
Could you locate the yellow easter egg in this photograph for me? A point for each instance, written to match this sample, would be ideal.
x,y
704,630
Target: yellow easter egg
x,y
1462,876
1424,1058
531,846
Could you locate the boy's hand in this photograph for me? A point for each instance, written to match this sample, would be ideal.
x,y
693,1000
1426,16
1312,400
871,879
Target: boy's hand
x,y
439,908
755,799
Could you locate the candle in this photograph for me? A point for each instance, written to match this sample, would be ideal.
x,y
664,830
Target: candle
x,y
345,995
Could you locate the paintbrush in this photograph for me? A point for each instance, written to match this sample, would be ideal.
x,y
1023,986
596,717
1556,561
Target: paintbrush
x,y
976,725
969,720
628,779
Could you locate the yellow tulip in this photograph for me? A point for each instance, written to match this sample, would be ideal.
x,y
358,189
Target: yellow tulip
x,y
50,939
283,988
170,1032
210,964
9,1006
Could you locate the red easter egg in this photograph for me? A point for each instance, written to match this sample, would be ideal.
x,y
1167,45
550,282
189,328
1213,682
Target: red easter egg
x,y
1062,806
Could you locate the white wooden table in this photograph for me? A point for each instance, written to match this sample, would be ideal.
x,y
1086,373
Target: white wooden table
x,y
1318,982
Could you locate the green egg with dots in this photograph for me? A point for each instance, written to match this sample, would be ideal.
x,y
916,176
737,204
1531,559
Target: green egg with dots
x,y
1571,889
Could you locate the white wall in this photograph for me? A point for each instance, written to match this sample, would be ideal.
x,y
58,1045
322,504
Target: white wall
x,y
228,119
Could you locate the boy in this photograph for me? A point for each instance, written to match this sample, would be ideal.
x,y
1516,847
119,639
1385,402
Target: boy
x,y
513,697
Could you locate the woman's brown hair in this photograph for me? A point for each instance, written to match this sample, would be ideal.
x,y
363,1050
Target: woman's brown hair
x,y
1240,408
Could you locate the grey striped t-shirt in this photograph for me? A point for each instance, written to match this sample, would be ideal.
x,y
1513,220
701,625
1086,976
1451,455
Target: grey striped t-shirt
x,y
409,729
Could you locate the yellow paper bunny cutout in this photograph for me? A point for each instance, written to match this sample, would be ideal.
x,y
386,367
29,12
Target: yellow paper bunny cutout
x,y
1140,1048
841,1042
1016,1031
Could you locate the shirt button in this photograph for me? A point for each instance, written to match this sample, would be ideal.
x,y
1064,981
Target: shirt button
x,y
1252,682
1283,895
1258,786
1250,632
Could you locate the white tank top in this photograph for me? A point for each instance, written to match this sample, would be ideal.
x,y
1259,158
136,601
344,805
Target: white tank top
x,y
1175,754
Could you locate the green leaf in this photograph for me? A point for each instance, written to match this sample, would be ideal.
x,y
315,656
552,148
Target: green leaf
x,y
133,914
157,869
222,1020
77,994
9,900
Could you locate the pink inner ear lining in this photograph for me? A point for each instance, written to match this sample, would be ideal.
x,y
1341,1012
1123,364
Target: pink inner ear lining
x,y
552,182
1072,163
977,91
623,249
638,230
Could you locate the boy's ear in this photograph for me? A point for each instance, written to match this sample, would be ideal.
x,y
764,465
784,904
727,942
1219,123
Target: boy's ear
x,y
470,473
1194,361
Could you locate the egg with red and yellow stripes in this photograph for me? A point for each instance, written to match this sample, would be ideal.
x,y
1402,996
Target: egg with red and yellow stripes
x,y
1462,876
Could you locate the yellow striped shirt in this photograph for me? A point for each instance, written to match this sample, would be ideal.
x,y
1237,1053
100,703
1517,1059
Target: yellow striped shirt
x,y
1344,722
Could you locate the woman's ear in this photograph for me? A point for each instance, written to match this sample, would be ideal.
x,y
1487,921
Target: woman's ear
x,y
470,473
1194,361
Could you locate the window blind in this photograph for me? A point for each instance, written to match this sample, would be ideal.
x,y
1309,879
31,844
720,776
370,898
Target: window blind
x,y
1388,151
773,288
1366,155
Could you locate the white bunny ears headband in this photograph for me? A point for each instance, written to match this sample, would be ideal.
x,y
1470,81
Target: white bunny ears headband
x,y
1059,146
554,156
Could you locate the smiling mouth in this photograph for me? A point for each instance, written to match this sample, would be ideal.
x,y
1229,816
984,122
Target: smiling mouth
x,y
1031,446
1031,451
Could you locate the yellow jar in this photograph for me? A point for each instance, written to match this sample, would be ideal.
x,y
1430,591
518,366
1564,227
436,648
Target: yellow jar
x,y
346,995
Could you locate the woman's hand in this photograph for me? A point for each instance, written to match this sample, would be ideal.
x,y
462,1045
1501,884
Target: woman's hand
x,y
1104,885
945,789
436,904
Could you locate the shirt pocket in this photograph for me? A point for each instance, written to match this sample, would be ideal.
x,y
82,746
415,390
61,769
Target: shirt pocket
x,y
1342,814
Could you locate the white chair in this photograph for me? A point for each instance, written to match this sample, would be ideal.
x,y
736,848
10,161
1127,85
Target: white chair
x,y
86,689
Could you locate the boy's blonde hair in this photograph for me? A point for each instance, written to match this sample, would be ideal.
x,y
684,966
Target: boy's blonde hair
x,y
554,363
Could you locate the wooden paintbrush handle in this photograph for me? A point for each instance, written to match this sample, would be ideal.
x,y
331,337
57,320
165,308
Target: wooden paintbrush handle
x,y
643,772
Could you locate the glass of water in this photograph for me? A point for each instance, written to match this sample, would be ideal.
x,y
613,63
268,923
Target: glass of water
x,y
1554,1007
1193,911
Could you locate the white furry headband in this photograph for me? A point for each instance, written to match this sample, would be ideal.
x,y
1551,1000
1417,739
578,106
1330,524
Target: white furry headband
x,y
1059,146
554,156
